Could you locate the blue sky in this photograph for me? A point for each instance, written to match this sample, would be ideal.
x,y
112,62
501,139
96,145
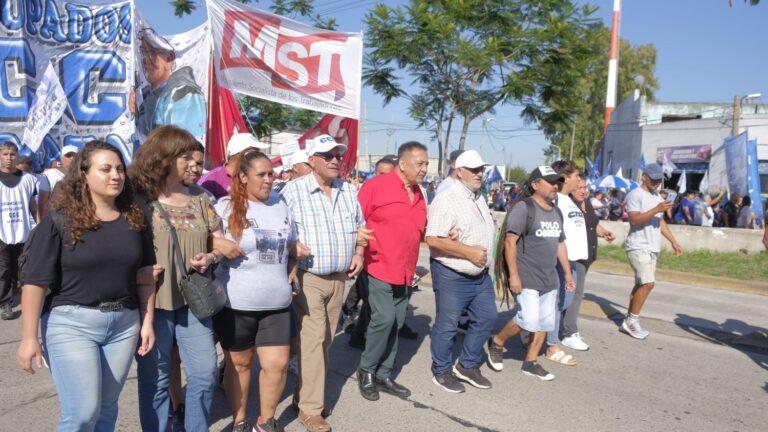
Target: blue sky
x,y
707,52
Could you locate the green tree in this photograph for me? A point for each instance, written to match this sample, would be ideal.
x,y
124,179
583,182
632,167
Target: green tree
x,y
588,113
517,174
264,117
462,58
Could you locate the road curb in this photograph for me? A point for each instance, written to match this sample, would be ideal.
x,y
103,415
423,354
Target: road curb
x,y
746,286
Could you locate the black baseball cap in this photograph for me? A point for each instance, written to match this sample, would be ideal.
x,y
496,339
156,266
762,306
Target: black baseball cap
x,y
389,158
547,173
455,155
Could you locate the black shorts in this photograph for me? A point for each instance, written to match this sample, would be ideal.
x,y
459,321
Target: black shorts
x,y
242,330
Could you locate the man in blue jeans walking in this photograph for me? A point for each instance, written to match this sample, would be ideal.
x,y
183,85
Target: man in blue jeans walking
x,y
460,276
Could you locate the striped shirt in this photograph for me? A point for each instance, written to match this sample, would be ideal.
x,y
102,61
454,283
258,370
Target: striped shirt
x,y
327,226
458,207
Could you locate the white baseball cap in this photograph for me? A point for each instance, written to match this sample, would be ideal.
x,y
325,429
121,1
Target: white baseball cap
x,y
470,159
69,149
243,141
298,157
323,144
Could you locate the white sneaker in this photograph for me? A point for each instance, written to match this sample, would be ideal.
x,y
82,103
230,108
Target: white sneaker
x,y
575,341
634,329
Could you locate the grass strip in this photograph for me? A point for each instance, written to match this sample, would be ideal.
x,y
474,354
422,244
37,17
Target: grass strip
x,y
731,265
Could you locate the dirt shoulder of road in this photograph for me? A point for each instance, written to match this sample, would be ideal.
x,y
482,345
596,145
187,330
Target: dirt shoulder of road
x,y
748,286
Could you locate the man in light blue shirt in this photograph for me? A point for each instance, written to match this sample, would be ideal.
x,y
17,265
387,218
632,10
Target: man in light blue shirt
x,y
327,216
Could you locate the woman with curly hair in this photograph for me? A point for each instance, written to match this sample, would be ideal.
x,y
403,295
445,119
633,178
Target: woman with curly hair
x,y
85,281
256,318
158,173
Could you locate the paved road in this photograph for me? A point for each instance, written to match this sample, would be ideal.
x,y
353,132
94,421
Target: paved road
x,y
682,378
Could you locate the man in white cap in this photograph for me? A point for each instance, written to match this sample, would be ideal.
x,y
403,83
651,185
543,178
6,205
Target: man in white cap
x,y
460,276
172,97
300,164
218,180
328,216
55,175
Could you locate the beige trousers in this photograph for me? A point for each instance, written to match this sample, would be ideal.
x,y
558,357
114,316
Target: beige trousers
x,y
317,308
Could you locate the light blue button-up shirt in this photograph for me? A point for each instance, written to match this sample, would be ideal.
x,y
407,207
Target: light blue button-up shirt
x,y
327,226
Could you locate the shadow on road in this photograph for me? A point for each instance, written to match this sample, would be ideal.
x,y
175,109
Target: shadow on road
x,y
750,340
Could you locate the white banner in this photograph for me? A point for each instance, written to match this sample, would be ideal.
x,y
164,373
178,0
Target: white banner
x,y
281,60
91,47
47,107
179,96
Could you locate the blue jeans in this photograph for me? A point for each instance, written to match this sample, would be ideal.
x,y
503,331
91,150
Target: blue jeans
x,y
455,292
90,353
564,300
198,354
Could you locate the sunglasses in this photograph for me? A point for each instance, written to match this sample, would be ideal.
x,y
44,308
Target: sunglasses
x,y
475,171
329,156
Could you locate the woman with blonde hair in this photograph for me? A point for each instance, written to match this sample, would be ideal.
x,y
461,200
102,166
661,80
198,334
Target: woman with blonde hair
x,y
158,173
85,283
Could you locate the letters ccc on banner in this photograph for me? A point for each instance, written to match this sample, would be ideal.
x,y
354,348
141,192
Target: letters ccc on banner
x,y
274,58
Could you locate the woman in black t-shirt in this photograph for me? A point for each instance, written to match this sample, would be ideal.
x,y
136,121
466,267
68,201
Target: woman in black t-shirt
x,y
94,257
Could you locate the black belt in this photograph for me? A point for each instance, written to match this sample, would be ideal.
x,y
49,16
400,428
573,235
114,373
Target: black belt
x,y
109,306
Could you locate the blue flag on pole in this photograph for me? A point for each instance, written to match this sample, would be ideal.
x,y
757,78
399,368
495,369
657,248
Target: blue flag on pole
x,y
594,170
608,167
642,162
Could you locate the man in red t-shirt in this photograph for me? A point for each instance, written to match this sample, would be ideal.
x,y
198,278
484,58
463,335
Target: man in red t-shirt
x,y
395,209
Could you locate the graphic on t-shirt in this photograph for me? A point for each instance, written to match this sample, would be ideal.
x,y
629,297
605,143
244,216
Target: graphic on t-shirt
x,y
270,245
548,229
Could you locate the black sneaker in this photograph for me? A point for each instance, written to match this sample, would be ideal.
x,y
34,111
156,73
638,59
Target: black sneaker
x,y
268,426
535,369
243,426
495,355
448,382
6,311
471,376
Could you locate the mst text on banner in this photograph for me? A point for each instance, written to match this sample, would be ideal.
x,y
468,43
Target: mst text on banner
x,y
278,59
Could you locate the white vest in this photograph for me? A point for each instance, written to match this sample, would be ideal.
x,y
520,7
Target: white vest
x,y
54,175
15,219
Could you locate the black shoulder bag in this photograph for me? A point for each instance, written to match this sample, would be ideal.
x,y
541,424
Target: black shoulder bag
x,y
205,295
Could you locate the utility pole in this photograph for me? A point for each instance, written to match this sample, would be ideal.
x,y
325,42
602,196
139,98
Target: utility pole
x,y
736,115
613,64
573,136
365,128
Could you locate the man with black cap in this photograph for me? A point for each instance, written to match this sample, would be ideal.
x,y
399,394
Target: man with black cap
x,y
534,243
453,175
646,226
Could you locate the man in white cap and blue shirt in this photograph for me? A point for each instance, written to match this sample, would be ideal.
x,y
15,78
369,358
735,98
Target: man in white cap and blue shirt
x,y
460,276
646,226
328,216
55,175
218,180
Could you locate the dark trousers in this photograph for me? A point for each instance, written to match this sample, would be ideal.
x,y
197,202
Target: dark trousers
x,y
455,292
388,306
358,293
9,270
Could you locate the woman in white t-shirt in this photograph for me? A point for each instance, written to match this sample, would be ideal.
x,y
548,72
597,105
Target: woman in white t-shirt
x,y
256,318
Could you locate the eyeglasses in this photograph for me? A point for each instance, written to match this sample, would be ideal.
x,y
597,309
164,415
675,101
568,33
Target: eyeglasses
x,y
327,156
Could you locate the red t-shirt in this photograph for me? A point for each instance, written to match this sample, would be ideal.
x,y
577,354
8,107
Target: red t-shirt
x,y
398,227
